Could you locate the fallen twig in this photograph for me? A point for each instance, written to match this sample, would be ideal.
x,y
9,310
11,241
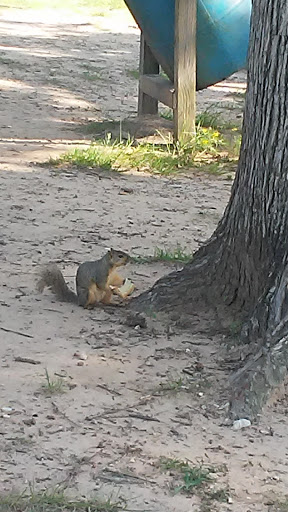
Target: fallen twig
x,y
119,475
116,410
53,310
63,415
20,359
142,416
188,371
112,391
17,332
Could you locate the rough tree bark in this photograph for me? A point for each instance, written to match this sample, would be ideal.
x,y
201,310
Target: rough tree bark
x,y
243,268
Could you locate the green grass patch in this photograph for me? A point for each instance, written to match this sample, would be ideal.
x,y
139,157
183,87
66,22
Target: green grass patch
x,y
209,119
167,464
162,159
174,385
167,114
206,119
99,157
133,73
172,255
194,479
52,386
92,77
178,254
193,476
53,501
195,384
91,72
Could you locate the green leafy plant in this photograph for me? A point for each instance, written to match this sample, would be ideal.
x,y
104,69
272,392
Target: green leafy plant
x,y
52,386
193,477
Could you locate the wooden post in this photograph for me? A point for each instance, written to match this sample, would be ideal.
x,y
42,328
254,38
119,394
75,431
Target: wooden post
x,y
185,69
148,66
181,96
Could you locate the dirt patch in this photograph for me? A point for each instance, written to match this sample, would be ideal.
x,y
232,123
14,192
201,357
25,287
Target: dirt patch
x,y
141,394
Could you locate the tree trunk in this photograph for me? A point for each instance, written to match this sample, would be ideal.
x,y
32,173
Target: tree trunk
x,y
243,268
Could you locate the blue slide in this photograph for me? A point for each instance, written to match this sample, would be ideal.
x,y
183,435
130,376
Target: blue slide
x,y
222,35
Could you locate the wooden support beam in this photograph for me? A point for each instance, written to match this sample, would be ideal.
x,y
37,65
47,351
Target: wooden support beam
x,y
159,88
185,69
148,65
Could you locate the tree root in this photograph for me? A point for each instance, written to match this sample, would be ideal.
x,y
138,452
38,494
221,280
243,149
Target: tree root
x,y
266,370
255,383
198,292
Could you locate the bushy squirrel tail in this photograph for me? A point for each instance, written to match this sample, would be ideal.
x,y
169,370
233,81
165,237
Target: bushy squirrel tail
x,y
50,276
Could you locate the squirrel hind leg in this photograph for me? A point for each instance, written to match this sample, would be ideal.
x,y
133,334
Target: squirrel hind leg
x,y
83,297
107,296
88,298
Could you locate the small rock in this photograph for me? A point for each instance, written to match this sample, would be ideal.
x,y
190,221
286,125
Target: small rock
x,y
81,355
135,319
241,423
29,422
126,190
80,363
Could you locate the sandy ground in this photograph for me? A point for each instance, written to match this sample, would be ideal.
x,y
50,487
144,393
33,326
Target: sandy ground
x,y
132,400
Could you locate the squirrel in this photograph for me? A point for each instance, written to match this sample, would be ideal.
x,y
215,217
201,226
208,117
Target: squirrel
x,y
93,280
